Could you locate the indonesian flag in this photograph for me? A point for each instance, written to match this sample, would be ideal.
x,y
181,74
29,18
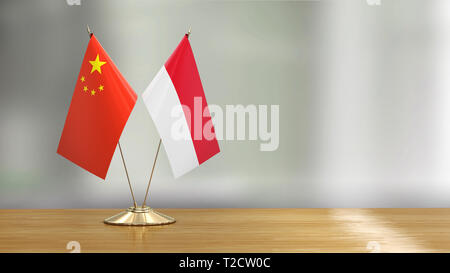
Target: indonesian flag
x,y
189,139
101,104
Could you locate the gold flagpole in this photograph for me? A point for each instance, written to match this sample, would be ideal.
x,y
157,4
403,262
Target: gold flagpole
x,y
128,178
89,31
141,216
120,148
151,175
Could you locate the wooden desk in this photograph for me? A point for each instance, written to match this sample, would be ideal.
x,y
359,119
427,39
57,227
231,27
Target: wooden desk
x,y
231,230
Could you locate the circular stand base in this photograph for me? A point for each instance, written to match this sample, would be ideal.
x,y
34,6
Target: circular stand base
x,y
140,216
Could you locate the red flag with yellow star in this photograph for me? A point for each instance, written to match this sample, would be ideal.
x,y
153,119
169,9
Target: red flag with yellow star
x,y
100,107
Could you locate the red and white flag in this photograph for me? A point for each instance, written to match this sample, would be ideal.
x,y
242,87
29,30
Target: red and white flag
x,y
177,86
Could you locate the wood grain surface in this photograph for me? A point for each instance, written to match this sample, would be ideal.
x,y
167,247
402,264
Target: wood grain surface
x,y
231,230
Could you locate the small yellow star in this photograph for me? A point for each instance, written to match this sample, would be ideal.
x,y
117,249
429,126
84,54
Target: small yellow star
x,y
85,88
96,65
92,92
82,79
101,87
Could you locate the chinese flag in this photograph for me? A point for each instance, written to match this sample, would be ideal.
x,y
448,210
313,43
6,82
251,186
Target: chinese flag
x,y
100,107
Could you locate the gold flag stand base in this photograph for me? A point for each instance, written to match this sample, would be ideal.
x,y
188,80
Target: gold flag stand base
x,y
139,216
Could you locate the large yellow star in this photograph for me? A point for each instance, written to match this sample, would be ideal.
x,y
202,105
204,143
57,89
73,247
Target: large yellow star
x,y
96,65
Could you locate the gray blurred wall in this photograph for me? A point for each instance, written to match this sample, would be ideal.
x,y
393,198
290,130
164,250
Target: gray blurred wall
x,y
364,95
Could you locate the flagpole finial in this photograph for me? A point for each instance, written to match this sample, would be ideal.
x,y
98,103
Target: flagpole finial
x,y
189,32
89,31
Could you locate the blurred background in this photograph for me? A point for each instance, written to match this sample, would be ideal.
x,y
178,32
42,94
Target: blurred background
x,y
363,91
